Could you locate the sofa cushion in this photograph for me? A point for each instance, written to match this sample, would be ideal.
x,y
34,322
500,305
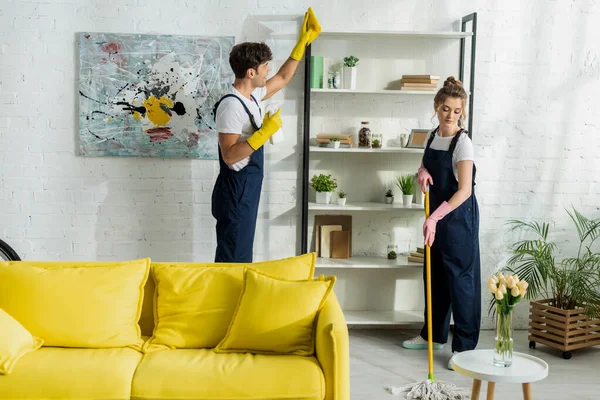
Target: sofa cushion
x,y
84,374
76,304
276,316
194,303
15,342
204,374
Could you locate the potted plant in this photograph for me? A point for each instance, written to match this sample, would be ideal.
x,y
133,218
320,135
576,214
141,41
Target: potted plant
x,y
323,185
392,255
350,72
342,198
334,142
565,294
376,144
389,196
406,183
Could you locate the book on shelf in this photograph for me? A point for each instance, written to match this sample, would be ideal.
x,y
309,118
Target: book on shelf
x,y
345,139
416,259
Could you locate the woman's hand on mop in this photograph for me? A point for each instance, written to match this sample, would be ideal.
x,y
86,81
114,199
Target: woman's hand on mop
x,y
424,178
431,222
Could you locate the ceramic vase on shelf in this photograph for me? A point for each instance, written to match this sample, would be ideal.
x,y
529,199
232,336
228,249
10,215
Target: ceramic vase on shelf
x,y
503,345
323,197
407,199
341,201
350,78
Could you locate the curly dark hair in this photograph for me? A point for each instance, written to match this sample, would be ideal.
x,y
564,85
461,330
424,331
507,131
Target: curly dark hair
x,y
248,55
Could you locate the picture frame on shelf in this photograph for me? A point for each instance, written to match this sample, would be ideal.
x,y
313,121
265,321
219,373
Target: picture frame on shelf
x,y
417,138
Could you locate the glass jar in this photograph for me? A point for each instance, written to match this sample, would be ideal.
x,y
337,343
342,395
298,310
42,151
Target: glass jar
x,y
392,251
377,142
364,135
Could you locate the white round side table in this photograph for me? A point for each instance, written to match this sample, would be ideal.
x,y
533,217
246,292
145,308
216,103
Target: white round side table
x,y
478,364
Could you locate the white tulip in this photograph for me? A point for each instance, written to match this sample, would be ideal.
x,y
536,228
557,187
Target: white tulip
x,y
499,295
492,281
523,285
502,288
516,278
515,291
510,283
523,293
493,288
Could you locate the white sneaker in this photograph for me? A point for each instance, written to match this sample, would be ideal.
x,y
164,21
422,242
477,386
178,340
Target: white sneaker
x,y
418,343
450,363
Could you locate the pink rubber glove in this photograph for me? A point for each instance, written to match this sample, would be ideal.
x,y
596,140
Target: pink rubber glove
x,y
431,222
424,178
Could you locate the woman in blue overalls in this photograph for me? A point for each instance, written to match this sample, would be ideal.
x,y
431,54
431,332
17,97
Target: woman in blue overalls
x,y
452,230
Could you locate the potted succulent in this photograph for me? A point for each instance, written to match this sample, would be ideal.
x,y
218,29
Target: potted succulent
x,y
389,196
334,142
565,294
392,255
342,198
350,72
323,185
406,183
376,144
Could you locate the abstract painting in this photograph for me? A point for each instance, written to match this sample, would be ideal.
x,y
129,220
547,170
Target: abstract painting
x,y
151,95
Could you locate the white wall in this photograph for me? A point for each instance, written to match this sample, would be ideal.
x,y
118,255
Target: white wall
x,y
536,111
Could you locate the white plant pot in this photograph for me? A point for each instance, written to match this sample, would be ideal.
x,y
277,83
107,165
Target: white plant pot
x,y
407,199
389,200
350,78
342,201
334,145
323,197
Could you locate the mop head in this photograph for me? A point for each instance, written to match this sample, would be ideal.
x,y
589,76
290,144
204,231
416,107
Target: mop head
x,y
431,390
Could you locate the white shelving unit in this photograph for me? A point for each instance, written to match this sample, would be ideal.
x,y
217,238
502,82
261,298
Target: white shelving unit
x,y
383,317
366,262
372,289
400,150
390,91
365,206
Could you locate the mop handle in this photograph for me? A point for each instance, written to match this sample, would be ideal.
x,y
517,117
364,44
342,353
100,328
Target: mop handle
x,y
429,312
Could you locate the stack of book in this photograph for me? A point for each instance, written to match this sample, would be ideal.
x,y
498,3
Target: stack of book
x,y
345,139
417,256
427,83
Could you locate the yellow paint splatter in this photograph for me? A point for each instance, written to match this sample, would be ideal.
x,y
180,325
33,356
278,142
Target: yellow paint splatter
x,y
156,114
108,120
137,115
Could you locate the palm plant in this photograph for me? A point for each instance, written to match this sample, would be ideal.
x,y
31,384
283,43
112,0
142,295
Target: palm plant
x,y
406,183
571,283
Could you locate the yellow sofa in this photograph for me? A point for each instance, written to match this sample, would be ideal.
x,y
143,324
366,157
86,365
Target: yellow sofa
x,y
75,363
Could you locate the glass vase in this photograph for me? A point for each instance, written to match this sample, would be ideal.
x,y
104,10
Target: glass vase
x,y
503,346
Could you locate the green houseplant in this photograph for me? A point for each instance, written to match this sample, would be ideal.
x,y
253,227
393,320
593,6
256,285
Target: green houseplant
x,y
564,294
323,185
389,196
406,183
350,63
342,198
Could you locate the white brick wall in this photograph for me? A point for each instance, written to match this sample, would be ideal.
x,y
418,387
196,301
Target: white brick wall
x,y
536,116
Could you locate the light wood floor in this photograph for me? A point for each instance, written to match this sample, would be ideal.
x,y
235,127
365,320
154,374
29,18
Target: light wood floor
x,y
377,359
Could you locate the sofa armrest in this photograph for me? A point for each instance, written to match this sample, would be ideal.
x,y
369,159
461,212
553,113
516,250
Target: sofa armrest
x,y
333,351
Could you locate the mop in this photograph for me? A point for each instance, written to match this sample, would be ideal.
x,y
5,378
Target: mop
x,y
430,389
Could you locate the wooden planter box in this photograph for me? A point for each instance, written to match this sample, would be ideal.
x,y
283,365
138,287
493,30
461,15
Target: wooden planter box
x,y
564,330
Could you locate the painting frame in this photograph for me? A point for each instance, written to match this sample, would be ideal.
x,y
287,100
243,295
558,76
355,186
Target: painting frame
x,y
150,95
417,138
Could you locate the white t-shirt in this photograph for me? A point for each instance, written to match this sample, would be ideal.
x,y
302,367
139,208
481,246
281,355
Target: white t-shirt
x,y
463,151
233,119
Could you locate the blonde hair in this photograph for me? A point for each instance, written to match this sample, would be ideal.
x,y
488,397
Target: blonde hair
x,y
452,88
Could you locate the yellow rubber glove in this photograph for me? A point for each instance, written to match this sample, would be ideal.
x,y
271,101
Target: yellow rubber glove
x,y
309,31
270,125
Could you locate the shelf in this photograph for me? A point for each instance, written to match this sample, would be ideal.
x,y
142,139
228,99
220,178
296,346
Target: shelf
x,y
365,206
350,91
383,317
407,34
366,262
319,149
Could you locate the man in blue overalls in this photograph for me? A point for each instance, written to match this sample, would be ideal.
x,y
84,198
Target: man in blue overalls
x,y
236,193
